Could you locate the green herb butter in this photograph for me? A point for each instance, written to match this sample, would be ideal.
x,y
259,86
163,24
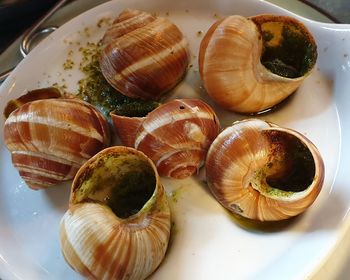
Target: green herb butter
x,y
124,183
95,89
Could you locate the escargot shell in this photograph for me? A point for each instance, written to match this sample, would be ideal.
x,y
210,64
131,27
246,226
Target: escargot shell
x,y
50,139
176,135
143,56
251,64
32,95
264,172
118,222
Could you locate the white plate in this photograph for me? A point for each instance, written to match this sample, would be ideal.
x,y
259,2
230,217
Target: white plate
x,y
206,244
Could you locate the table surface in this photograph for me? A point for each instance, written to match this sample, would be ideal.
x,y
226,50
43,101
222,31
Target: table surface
x,y
321,10
338,10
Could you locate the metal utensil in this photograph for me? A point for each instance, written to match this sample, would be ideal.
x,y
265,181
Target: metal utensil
x,y
33,32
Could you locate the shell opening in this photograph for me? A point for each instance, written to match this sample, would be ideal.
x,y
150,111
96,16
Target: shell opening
x,y
136,108
290,166
124,182
32,95
288,48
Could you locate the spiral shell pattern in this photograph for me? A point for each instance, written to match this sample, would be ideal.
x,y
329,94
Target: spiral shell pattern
x,y
176,135
230,62
50,139
98,243
143,56
264,172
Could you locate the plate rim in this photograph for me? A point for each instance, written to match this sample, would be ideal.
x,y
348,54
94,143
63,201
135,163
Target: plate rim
x,y
345,228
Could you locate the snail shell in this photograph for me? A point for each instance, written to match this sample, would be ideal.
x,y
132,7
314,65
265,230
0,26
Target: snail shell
x,y
32,95
251,64
50,139
176,135
143,56
264,172
118,222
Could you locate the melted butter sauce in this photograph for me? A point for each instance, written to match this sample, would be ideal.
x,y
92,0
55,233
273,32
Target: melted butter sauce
x,y
178,198
95,89
255,225
287,51
123,183
292,168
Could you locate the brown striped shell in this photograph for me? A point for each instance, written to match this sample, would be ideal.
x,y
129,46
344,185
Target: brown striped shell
x,y
251,64
176,135
264,172
143,56
32,95
118,222
50,139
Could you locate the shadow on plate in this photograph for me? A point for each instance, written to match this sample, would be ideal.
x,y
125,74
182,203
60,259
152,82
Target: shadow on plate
x,y
328,211
58,196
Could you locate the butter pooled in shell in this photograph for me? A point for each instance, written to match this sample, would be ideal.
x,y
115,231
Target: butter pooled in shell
x,y
264,172
118,222
249,65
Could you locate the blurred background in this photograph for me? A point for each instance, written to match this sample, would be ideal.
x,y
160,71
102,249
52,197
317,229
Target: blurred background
x,y
17,15
339,10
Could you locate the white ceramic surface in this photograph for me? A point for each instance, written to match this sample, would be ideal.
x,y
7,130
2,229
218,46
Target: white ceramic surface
x,y
206,243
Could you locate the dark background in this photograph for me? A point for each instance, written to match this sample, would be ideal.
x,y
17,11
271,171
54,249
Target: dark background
x,y
17,15
339,10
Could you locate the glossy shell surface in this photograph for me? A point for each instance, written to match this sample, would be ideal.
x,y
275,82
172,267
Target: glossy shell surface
x,y
99,238
50,139
232,61
176,135
143,56
264,172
